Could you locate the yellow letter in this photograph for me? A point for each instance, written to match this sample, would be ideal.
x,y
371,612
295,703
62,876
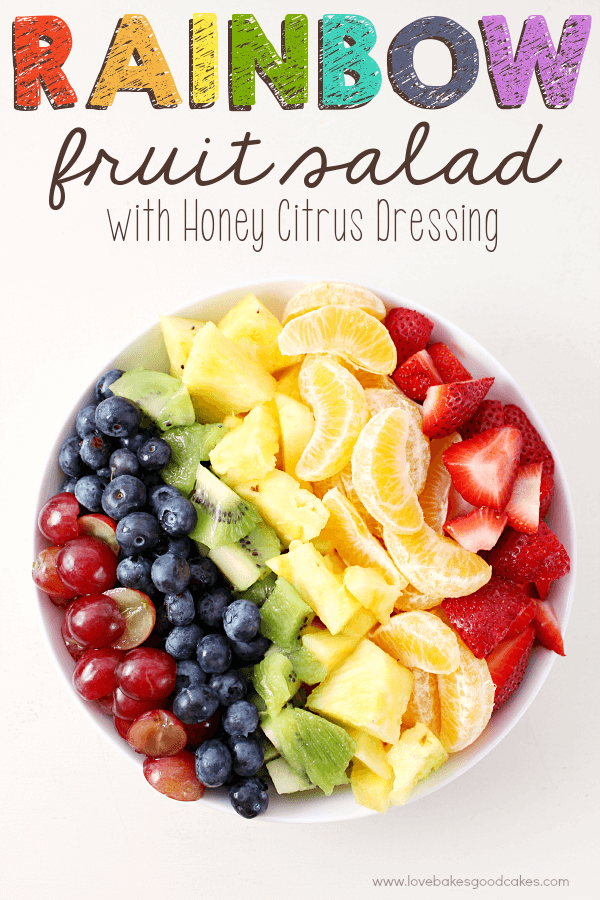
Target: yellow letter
x,y
204,54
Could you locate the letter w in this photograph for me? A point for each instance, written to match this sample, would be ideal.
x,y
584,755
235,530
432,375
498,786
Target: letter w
x,y
556,72
118,229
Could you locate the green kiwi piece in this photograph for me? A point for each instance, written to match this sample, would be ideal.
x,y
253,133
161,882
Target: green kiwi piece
x,y
306,666
223,517
275,681
325,749
161,397
269,749
244,562
284,614
190,445
285,780
282,731
259,591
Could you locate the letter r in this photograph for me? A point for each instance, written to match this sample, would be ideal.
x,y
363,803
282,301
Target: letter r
x,y
35,65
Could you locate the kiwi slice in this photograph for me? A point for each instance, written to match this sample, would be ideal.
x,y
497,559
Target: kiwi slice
x,y
282,731
285,780
260,590
325,749
306,666
164,399
269,749
275,680
284,614
190,445
223,517
244,562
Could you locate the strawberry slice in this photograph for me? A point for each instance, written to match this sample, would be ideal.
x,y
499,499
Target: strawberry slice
x,y
483,468
534,448
484,618
546,493
524,618
542,586
479,530
417,375
547,628
457,506
489,414
507,663
450,368
448,406
409,330
529,557
523,508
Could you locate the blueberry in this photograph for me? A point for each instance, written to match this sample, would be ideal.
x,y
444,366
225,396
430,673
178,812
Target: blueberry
x,y
134,572
85,423
122,496
69,459
137,532
203,573
104,382
154,454
68,484
123,462
251,651
177,516
241,620
213,763
180,608
188,673
229,687
214,653
134,441
247,754
104,474
194,704
95,450
158,494
118,416
179,546
89,491
249,797
170,573
211,607
241,718
183,640
162,626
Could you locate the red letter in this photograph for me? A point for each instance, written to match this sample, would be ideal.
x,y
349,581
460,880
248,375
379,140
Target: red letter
x,y
34,63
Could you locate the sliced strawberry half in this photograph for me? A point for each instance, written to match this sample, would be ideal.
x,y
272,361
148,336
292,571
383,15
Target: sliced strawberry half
x,y
546,493
547,628
484,618
479,530
507,663
409,330
524,618
448,406
457,505
529,557
450,368
542,586
483,468
417,375
534,448
523,508
489,414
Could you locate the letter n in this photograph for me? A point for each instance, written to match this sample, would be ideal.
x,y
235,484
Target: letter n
x,y
35,64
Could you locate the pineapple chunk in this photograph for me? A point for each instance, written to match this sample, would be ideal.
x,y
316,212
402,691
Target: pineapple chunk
x,y
330,649
335,563
370,789
324,592
360,623
369,587
255,330
294,513
297,424
248,452
371,752
287,383
222,376
368,690
178,335
416,755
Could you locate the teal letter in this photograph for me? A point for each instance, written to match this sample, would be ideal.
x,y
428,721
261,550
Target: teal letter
x,y
337,59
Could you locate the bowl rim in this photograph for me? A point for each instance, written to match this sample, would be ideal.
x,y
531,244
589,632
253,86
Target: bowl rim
x,y
527,690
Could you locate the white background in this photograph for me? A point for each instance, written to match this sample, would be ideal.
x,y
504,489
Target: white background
x,y
78,820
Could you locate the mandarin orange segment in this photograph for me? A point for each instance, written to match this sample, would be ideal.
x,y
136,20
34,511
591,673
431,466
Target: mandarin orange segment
x,y
380,472
419,639
345,331
340,410
434,496
466,701
436,565
333,293
424,704
418,454
411,599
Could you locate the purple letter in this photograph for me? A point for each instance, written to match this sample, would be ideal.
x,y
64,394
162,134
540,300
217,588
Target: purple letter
x,y
556,71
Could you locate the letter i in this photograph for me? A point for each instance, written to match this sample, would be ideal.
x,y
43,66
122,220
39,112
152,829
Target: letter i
x,y
204,55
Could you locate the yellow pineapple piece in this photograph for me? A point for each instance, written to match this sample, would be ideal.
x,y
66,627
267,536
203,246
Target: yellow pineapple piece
x,y
178,335
424,704
323,545
416,755
369,788
287,382
222,376
371,589
294,513
296,423
360,624
255,330
248,451
305,568
330,649
371,752
334,563
368,690
206,412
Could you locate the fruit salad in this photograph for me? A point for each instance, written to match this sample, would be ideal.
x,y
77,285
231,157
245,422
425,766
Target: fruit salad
x,y
312,554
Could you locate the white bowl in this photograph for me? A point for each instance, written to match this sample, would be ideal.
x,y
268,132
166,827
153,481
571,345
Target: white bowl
x,y
148,350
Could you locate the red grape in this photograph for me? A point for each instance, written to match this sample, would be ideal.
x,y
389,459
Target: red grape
x,y
157,733
95,674
201,731
106,704
87,565
95,620
174,776
122,726
75,649
45,575
99,526
140,616
147,673
126,708
58,518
